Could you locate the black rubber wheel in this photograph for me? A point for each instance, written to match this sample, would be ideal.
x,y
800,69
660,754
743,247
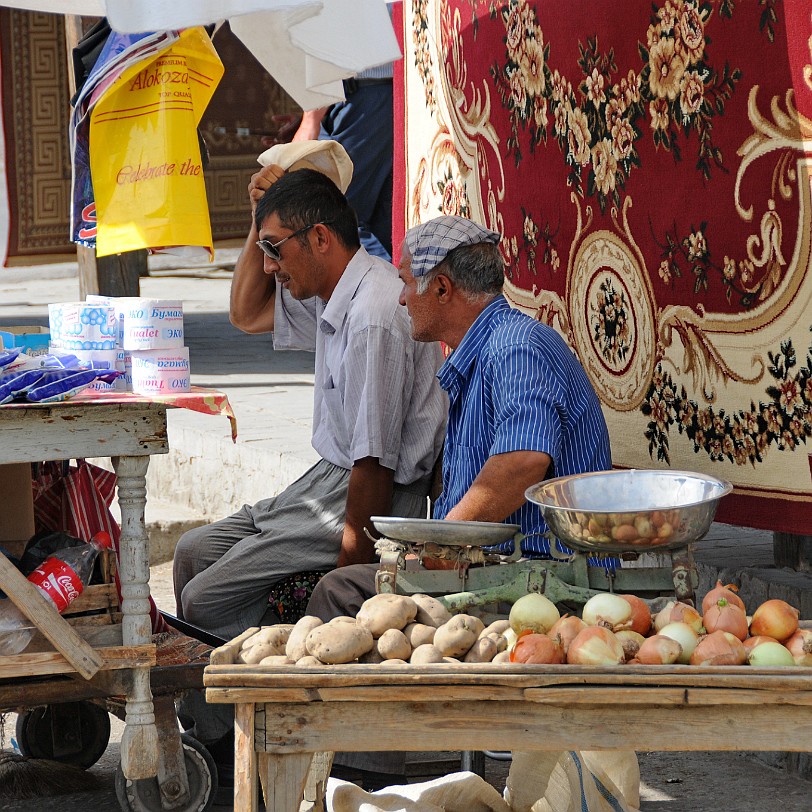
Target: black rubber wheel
x,y
145,795
73,733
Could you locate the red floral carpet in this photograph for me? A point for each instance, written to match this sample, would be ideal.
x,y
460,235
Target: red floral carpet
x,y
648,166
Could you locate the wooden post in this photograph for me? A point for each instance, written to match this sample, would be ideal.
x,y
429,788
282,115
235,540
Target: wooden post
x,y
117,275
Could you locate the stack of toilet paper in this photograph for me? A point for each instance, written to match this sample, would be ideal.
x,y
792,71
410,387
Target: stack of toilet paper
x,y
143,338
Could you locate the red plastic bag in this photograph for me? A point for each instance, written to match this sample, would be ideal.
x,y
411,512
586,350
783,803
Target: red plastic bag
x,y
76,500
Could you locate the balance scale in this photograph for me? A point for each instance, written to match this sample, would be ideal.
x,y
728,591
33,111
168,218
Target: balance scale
x,y
606,516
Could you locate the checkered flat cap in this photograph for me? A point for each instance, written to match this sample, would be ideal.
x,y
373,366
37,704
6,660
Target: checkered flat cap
x,y
430,242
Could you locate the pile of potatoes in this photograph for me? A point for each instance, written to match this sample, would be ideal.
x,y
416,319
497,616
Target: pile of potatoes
x,y
389,629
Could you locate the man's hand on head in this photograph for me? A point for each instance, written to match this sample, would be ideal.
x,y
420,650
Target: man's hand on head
x,y
262,181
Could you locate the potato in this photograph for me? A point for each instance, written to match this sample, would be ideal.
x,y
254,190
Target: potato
x,y
343,619
482,651
451,660
276,659
393,645
335,643
498,627
308,661
426,654
502,657
372,657
419,633
295,647
430,611
386,611
455,637
394,662
499,639
251,656
274,636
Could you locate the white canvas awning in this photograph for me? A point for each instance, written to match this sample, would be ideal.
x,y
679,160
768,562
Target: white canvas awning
x,y
308,46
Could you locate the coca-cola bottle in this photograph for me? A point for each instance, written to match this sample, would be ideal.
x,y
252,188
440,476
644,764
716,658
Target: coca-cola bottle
x,y
62,577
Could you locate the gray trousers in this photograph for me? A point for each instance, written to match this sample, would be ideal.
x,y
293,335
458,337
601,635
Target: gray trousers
x,y
223,572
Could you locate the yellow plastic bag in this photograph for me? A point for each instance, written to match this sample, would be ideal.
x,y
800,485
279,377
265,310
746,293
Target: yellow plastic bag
x,y
145,160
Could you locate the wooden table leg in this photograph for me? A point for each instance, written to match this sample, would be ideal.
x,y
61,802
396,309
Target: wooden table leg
x,y
283,779
245,759
139,743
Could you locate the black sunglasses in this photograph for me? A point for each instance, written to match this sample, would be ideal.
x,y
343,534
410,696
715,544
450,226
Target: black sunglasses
x,y
271,249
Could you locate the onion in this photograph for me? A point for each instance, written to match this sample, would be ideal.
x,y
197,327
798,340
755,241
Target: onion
x,y
799,646
608,610
728,592
676,612
727,617
565,630
719,648
751,642
534,612
775,618
770,654
685,636
641,614
536,648
631,642
659,650
595,645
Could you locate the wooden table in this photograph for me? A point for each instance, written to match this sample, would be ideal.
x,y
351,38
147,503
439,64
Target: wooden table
x,y
128,429
285,715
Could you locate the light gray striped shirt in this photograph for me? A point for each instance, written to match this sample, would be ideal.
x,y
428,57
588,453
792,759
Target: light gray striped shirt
x,y
376,394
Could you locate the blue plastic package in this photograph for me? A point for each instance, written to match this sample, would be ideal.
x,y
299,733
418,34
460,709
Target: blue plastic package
x,y
50,385
7,356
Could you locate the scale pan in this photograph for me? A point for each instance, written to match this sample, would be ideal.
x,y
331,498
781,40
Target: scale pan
x,y
445,532
629,511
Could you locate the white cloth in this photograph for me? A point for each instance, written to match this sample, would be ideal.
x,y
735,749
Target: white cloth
x,y
375,394
327,157
575,781
308,46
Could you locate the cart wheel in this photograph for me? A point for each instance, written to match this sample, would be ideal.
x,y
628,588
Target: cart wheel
x,y
145,795
73,733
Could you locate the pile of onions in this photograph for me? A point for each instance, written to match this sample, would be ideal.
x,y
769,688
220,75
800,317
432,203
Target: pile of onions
x,y
775,618
536,648
728,592
609,611
595,645
719,648
726,617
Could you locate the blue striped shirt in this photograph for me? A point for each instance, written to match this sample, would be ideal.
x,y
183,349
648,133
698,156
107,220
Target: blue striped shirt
x,y
514,385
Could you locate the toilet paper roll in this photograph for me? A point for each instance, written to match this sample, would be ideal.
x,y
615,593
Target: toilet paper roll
x,y
151,324
82,326
160,372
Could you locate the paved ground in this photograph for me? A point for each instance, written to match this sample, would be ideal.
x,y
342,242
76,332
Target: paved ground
x,y
271,395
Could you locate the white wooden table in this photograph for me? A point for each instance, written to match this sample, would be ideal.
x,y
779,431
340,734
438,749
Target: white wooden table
x,y
285,715
128,432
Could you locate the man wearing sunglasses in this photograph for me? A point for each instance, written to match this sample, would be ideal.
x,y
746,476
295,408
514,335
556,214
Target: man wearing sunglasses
x,y
378,416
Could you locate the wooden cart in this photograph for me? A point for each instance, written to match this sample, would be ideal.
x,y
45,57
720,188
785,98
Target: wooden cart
x,y
113,655
285,715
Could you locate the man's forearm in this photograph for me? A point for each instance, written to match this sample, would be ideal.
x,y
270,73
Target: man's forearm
x,y
369,494
498,490
253,291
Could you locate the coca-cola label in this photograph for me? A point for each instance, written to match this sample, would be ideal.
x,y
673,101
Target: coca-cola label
x,y
58,581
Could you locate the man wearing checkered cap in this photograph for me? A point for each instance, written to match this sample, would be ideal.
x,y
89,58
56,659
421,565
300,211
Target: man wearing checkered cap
x,y
521,408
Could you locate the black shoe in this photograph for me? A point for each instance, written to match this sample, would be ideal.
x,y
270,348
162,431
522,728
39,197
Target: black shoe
x,y
368,780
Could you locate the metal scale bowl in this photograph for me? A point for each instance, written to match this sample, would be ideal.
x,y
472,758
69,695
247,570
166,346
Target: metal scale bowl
x,y
598,515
